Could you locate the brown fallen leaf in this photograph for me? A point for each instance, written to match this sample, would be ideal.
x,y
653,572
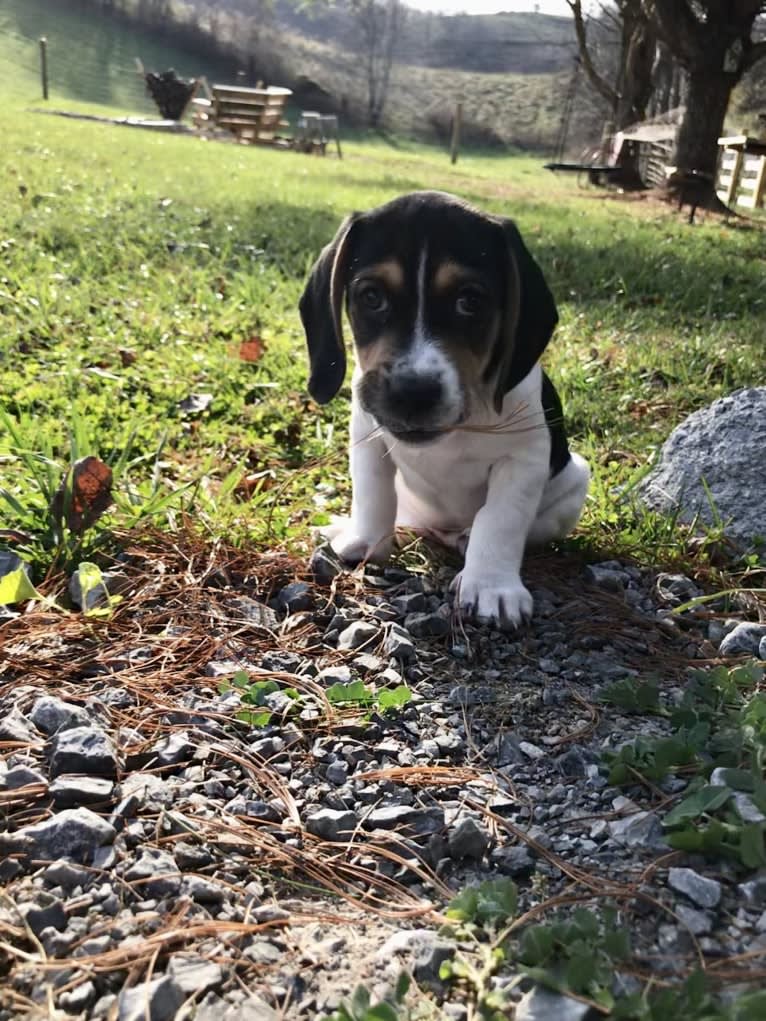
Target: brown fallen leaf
x,y
84,494
252,349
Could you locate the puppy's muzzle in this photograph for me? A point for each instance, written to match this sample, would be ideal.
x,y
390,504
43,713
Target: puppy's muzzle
x,y
414,407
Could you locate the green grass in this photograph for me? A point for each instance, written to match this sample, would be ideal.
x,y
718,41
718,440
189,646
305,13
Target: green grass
x,y
134,265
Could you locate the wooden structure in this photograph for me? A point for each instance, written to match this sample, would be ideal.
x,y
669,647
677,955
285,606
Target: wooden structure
x,y
640,155
314,131
251,115
742,171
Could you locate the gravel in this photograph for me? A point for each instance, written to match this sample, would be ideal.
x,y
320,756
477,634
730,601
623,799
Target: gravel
x,y
265,870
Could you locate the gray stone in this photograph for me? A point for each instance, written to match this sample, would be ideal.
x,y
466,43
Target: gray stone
x,y
639,829
747,808
429,959
14,726
204,891
336,674
67,876
702,891
754,890
155,873
50,714
176,747
414,602
398,644
509,750
471,694
20,776
427,625
762,648
744,640
513,861
150,1001
359,633
83,750
68,791
193,974
324,565
55,943
337,773
532,751
468,839
424,948
332,824
543,1005
46,912
74,833
390,817
605,578
723,445
148,790
252,612
295,597
699,923
78,999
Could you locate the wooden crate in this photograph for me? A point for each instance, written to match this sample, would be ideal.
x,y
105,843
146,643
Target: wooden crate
x,y
742,171
252,115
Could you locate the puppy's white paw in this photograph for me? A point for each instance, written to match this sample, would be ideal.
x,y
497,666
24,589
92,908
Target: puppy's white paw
x,y
493,599
354,544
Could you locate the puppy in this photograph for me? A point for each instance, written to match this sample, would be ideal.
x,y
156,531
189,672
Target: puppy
x,y
456,431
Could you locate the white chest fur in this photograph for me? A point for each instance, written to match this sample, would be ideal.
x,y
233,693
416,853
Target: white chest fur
x,y
442,485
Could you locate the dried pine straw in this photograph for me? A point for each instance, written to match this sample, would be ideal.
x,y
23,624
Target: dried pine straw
x,y
177,603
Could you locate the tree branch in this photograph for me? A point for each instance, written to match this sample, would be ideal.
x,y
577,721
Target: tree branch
x,y
756,52
676,25
599,84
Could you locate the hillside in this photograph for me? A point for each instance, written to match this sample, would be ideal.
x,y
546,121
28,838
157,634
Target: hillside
x,y
90,54
522,43
517,102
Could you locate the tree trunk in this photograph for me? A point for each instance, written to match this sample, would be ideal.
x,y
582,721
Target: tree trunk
x,y
707,100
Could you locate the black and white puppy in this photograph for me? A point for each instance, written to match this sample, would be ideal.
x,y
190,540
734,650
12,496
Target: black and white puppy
x,y
456,431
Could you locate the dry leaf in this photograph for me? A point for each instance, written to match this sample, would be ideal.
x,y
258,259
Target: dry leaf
x,y
84,494
251,350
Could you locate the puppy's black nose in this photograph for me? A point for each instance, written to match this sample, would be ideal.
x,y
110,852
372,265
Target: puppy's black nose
x,y
408,392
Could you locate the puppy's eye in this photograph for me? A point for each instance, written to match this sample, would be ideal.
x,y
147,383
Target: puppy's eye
x,y
372,298
469,303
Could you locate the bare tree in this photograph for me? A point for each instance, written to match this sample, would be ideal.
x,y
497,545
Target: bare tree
x,y
713,40
629,90
379,24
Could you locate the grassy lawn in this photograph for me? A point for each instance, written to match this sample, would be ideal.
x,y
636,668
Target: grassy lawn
x,y
135,266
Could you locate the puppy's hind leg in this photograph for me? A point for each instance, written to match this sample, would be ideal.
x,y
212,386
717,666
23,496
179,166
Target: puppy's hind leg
x,y
562,503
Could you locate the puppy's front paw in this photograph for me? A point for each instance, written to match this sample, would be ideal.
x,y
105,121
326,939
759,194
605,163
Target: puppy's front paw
x,y
354,544
492,599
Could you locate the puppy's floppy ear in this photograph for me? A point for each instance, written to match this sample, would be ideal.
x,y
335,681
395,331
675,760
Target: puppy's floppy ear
x,y
529,317
321,309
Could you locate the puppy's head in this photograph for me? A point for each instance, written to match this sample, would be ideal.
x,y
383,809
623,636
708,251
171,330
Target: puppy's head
x,y
447,307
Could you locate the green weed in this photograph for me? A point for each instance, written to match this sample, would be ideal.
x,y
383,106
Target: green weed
x,y
355,695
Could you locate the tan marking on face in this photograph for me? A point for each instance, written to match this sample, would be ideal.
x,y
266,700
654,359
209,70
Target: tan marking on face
x,y
391,272
450,274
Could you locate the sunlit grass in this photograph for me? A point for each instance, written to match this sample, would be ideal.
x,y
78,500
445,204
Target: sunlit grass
x,y
135,264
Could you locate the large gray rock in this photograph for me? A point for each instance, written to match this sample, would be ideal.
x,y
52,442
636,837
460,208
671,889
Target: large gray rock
x,y
722,444
85,750
74,833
